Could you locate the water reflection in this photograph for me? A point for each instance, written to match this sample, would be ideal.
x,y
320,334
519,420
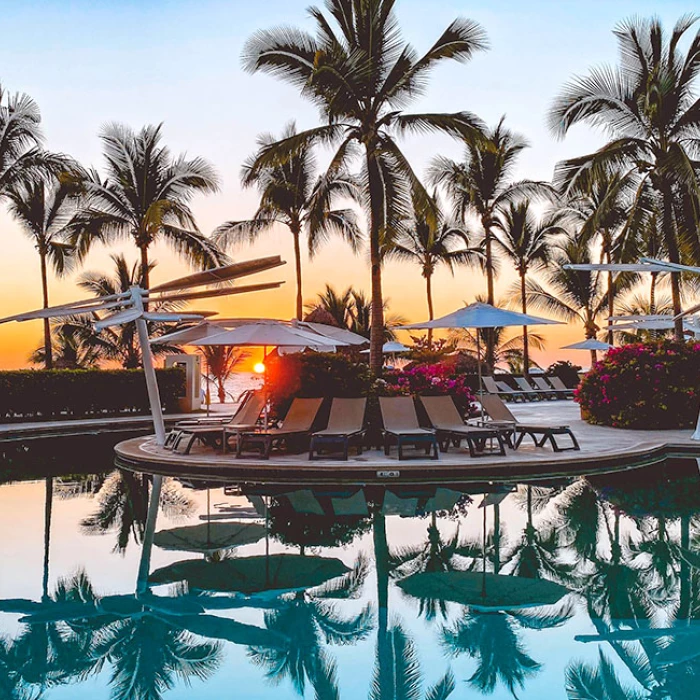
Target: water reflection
x,y
627,551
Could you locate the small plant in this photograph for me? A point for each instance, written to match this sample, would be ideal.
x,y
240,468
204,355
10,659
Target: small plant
x,y
649,386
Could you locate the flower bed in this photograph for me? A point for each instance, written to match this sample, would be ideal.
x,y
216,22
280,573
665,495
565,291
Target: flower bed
x,y
644,386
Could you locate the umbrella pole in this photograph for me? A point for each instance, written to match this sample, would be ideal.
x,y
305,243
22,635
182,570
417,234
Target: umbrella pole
x,y
208,516
483,556
478,369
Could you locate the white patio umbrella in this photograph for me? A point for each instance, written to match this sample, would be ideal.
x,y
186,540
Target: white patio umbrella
x,y
332,332
588,344
390,348
265,334
479,315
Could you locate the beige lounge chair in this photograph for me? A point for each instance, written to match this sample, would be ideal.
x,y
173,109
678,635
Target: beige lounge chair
x,y
296,424
501,416
493,386
401,426
547,389
528,391
450,428
559,385
216,434
346,424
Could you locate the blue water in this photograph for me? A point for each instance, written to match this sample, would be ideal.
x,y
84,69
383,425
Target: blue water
x,y
624,546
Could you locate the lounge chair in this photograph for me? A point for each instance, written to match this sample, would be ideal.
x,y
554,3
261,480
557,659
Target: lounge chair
x,y
527,389
501,389
552,393
296,424
501,416
217,434
450,428
220,419
559,385
346,424
401,426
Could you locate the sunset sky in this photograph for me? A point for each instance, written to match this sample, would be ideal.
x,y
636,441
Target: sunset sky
x,y
87,63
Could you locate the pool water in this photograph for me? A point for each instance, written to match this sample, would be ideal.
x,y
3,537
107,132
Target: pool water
x,y
624,546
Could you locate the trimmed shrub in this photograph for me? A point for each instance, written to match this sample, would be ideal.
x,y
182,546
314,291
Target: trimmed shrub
x,y
647,386
65,393
566,371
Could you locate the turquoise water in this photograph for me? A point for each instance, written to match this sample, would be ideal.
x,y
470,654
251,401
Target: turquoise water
x,y
624,546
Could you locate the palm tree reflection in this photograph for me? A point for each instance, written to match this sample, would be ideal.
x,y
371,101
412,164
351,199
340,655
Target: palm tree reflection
x,y
310,620
123,506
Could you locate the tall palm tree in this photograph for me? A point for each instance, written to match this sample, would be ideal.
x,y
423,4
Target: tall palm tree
x,y
431,239
145,196
599,204
44,210
573,295
481,184
294,195
360,74
649,109
526,242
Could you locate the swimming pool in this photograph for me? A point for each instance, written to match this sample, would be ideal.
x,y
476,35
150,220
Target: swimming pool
x,y
72,625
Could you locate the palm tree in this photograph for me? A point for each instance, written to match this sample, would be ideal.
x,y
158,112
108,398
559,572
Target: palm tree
x,y
526,242
292,194
361,75
600,204
431,239
118,343
221,362
481,185
44,211
649,109
573,295
69,350
21,159
145,196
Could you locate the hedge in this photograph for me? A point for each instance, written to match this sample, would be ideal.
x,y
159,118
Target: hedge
x,y
645,386
65,393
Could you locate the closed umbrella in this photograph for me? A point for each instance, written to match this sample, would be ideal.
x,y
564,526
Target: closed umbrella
x,y
479,315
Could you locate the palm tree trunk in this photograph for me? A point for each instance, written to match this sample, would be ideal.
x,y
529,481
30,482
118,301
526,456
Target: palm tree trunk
x,y
611,284
652,293
381,559
376,195
526,340
145,272
48,508
490,292
673,255
496,538
431,315
48,350
296,234
685,597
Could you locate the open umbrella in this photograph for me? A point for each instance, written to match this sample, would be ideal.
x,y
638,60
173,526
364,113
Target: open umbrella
x,y
479,315
249,575
588,344
465,588
209,537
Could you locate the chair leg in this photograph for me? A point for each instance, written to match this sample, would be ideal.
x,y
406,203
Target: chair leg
x,y
346,448
312,445
435,449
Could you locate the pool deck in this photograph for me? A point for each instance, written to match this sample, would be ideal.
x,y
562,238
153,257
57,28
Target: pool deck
x,y
602,449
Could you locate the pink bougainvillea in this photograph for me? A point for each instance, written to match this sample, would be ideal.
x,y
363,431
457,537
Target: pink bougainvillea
x,y
644,386
431,380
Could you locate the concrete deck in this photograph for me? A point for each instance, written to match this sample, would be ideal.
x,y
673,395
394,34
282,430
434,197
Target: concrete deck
x,y
602,449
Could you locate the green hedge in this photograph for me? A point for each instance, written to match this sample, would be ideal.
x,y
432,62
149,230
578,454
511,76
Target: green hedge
x,y
65,393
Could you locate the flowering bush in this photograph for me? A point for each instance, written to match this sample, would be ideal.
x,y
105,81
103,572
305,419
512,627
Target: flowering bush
x,y
430,380
647,386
